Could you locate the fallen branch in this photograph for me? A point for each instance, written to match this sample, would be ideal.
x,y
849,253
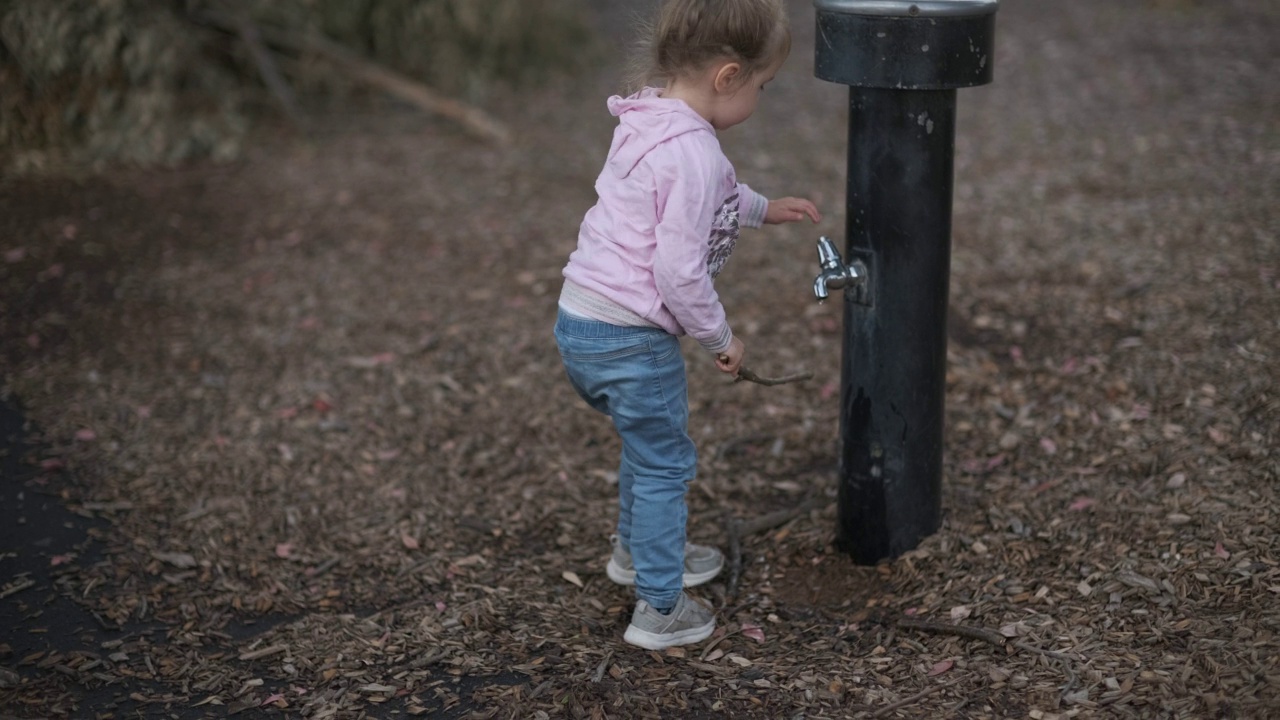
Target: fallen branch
x,y
745,373
472,119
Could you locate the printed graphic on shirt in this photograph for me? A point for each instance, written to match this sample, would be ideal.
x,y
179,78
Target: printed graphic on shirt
x,y
724,235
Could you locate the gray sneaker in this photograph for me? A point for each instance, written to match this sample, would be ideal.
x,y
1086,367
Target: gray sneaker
x,y
701,563
689,622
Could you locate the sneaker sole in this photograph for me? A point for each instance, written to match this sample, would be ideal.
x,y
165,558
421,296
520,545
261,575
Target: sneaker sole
x,y
656,641
628,577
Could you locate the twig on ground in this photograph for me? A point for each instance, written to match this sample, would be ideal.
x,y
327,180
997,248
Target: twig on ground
x,y
779,517
733,528
964,631
884,711
1023,645
17,588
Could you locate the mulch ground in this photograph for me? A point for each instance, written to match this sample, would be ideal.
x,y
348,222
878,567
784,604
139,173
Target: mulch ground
x,y
312,402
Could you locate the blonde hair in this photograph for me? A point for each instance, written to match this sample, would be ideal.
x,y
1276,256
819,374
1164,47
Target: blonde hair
x,y
687,35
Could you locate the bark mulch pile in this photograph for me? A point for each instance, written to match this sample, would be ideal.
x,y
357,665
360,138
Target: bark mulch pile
x,y
315,397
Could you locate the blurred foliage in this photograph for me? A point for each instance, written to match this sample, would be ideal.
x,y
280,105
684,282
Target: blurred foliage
x,y
141,82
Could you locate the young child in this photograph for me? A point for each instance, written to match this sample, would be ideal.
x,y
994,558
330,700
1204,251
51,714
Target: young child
x,y
666,221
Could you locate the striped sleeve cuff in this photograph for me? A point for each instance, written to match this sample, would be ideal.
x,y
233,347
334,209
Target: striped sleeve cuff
x,y
752,206
721,341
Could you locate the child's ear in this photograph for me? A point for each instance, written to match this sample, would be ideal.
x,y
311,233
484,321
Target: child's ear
x,y
726,79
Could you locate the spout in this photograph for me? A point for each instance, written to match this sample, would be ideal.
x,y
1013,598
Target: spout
x,y
833,273
820,287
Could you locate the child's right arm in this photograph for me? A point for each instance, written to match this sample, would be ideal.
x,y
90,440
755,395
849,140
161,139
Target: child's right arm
x,y
730,361
687,199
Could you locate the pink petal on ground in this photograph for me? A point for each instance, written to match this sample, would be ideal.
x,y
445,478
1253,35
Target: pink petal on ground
x,y
1048,445
86,435
284,550
941,667
1082,502
1221,552
753,631
15,255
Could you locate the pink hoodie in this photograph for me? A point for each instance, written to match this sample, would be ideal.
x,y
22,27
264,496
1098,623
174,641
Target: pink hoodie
x,y
666,221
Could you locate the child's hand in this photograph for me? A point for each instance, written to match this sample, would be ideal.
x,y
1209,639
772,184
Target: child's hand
x,y
731,359
789,209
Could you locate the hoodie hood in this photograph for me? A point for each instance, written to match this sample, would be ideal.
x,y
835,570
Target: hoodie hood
x,y
646,120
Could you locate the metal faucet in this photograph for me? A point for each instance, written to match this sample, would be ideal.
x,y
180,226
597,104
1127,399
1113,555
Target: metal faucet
x,y
835,274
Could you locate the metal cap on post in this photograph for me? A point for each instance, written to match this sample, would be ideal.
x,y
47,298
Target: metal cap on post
x,y
903,62
922,45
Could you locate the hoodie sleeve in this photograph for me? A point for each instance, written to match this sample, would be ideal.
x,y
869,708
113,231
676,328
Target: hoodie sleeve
x,y
752,206
688,183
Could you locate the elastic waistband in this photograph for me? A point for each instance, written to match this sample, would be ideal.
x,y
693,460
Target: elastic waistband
x,y
582,327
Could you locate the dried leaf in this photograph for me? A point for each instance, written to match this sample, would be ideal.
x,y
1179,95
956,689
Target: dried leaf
x,y
755,632
176,559
960,612
572,577
409,541
1082,503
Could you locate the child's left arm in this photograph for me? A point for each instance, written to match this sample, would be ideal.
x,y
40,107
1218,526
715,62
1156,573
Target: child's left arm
x,y
791,209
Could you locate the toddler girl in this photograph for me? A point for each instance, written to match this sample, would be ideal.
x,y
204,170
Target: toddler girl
x,y
666,221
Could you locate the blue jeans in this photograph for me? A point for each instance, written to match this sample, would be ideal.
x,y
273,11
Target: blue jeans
x,y
636,376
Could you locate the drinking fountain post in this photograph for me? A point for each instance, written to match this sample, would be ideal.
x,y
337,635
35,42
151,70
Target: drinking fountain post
x,y
903,62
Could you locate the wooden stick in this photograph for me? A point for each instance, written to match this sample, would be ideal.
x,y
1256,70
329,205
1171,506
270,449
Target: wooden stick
x,y
734,530
745,373
17,588
985,635
779,517
884,711
263,652
964,631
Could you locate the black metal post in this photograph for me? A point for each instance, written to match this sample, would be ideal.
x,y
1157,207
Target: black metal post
x,y
903,62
